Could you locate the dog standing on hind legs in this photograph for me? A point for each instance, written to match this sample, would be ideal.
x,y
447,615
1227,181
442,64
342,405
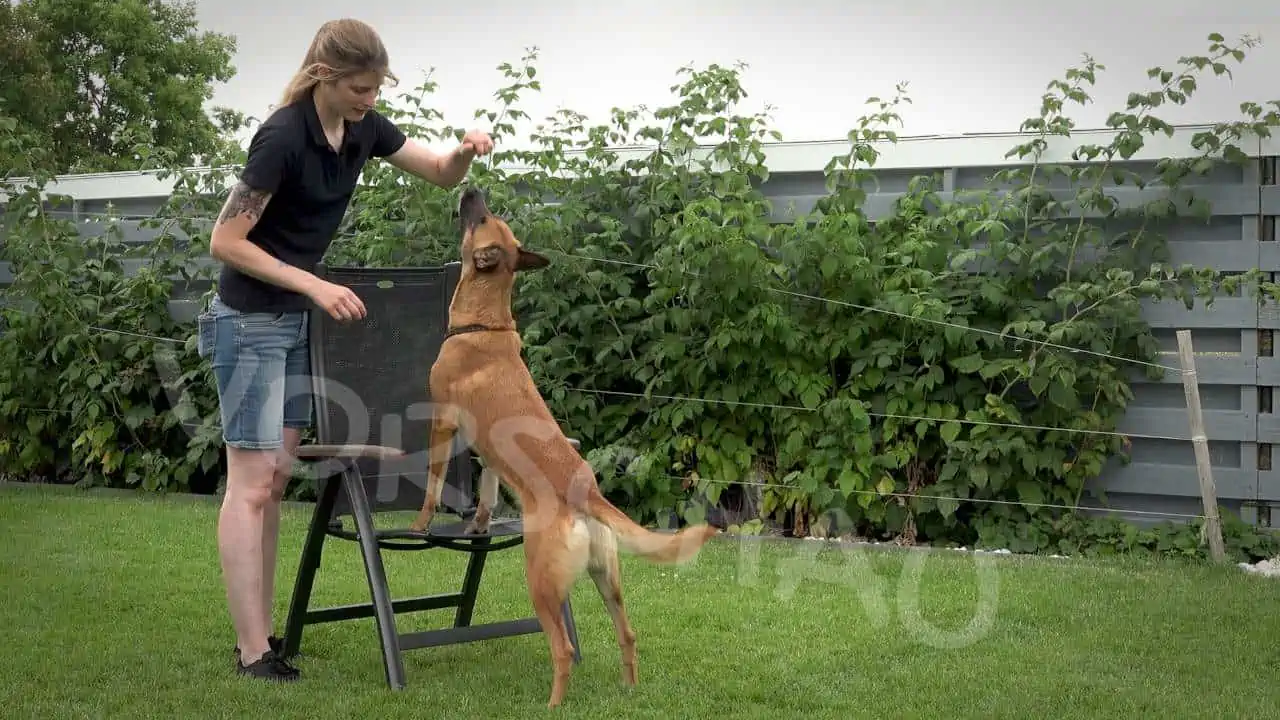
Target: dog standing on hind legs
x,y
482,389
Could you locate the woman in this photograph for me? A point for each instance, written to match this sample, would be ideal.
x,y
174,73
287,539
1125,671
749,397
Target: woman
x,y
278,220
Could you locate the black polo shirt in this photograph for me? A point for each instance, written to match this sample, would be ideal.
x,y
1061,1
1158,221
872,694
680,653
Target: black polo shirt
x,y
311,185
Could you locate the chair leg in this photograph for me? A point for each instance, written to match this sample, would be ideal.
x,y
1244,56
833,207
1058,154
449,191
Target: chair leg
x,y
312,551
376,573
471,585
572,627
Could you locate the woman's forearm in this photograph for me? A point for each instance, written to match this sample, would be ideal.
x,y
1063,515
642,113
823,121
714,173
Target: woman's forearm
x,y
250,259
454,166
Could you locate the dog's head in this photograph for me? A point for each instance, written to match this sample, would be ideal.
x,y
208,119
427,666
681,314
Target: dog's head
x,y
488,244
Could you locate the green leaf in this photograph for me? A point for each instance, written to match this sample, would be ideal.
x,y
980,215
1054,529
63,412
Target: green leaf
x,y
829,265
1030,491
1038,383
947,506
949,432
137,414
811,397
968,363
1062,395
848,481
885,486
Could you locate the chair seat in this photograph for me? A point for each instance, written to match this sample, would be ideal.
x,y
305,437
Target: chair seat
x,y
452,531
457,530
451,535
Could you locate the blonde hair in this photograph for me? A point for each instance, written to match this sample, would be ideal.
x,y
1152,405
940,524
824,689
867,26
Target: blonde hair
x,y
343,47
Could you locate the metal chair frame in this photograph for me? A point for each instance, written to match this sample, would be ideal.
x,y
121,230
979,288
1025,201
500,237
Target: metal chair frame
x,y
346,486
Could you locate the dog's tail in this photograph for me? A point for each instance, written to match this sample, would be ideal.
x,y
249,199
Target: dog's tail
x,y
669,548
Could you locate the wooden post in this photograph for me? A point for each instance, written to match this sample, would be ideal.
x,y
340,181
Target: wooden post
x,y
1208,490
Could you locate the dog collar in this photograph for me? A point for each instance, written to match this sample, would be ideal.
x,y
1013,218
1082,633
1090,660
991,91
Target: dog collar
x,y
463,329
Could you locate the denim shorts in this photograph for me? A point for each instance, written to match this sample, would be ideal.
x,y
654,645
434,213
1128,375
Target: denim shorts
x,y
262,367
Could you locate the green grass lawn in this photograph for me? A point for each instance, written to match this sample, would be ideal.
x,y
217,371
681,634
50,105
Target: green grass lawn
x,y
750,629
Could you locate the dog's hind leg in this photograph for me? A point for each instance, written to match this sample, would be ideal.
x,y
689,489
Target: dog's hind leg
x,y
550,572
444,425
607,575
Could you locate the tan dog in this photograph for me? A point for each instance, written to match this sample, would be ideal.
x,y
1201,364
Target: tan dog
x,y
482,388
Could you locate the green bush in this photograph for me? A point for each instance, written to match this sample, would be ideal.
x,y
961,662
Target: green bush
x,y
829,375
80,402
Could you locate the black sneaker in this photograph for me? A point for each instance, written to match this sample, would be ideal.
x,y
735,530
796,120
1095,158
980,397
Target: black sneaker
x,y
276,644
269,667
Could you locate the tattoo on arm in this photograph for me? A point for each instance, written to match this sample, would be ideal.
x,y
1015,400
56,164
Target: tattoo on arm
x,y
244,200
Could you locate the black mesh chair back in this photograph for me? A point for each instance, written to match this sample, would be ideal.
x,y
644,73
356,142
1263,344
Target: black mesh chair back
x,y
370,381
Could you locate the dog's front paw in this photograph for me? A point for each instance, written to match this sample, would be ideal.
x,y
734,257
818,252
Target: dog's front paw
x,y
422,522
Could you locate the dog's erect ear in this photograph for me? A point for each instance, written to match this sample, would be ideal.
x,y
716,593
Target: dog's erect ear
x,y
530,260
486,258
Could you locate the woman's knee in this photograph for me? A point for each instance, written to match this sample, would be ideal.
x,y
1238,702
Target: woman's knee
x,y
252,476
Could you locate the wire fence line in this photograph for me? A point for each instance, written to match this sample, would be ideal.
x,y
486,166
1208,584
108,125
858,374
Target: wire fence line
x,y
777,485
58,411
905,495
792,293
773,406
763,405
866,308
890,416
904,316
793,486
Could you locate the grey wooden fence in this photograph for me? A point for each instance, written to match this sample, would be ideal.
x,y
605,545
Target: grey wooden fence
x,y
1234,339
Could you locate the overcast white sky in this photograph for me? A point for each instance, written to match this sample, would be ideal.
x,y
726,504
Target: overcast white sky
x,y
979,66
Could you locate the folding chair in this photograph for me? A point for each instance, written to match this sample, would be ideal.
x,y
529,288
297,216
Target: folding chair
x,y
372,419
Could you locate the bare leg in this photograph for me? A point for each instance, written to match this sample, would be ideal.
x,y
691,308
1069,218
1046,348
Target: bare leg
x,y
271,522
241,526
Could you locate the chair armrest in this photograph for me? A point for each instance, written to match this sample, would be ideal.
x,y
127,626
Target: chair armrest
x,y
347,452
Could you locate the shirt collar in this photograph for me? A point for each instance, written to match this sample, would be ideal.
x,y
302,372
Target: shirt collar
x,y
316,131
